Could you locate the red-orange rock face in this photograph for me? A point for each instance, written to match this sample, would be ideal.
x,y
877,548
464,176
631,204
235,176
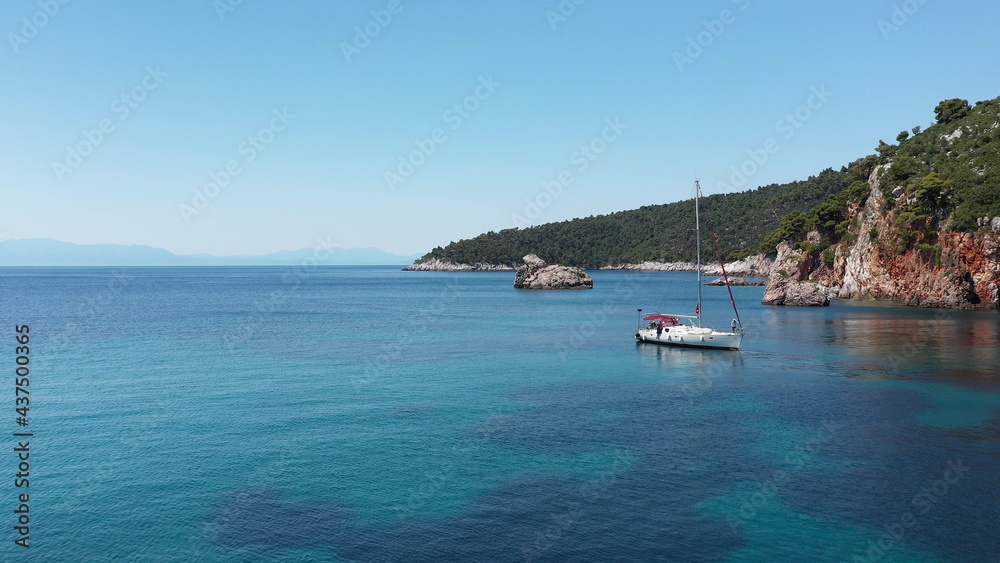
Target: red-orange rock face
x,y
961,270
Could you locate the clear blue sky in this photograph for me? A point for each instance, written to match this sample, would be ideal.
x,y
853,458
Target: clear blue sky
x,y
323,174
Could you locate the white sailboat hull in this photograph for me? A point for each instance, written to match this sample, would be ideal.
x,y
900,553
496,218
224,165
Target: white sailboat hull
x,y
691,337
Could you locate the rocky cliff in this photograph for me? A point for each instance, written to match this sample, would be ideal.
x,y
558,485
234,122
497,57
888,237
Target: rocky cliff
x,y
793,280
875,260
960,270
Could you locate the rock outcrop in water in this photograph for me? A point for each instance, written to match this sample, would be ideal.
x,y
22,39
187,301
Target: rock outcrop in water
x,y
733,282
536,274
789,282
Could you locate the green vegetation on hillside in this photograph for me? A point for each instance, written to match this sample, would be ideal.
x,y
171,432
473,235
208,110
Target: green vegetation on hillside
x,y
655,232
963,150
830,218
950,171
950,174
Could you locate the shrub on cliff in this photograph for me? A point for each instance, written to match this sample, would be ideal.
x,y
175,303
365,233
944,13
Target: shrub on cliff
x,y
962,150
950,110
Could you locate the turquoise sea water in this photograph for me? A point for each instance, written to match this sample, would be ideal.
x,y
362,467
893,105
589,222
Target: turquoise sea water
x,y
369,414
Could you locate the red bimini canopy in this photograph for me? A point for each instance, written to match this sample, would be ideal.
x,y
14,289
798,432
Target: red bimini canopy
x,y
658,317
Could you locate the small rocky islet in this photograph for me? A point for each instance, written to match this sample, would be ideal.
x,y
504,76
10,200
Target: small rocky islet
x,y
535,273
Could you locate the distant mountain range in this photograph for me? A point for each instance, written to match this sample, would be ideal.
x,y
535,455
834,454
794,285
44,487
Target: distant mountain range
x,y
51,252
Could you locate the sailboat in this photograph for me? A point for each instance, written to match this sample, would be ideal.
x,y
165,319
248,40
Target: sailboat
x,y
669,329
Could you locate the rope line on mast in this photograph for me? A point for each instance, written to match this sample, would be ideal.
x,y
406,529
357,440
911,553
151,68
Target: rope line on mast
x,y
725,276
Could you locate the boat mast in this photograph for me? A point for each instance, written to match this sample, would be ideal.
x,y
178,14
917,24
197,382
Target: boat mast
x,y
697,236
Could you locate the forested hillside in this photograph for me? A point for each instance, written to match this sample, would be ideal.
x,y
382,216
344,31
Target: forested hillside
x,y
924,231
656,232
963,148
942,179
951,169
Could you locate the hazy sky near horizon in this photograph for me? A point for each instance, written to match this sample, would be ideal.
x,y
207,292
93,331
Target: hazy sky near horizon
x,y
249,127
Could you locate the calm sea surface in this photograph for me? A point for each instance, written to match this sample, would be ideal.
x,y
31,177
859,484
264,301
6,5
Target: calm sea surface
x,y
369,414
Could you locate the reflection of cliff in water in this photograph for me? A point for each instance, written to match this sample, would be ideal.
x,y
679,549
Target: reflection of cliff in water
x,y
953,344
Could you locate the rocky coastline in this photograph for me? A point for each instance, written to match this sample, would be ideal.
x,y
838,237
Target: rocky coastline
x,y
961,271
735,282
438,265
790,284
756,266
